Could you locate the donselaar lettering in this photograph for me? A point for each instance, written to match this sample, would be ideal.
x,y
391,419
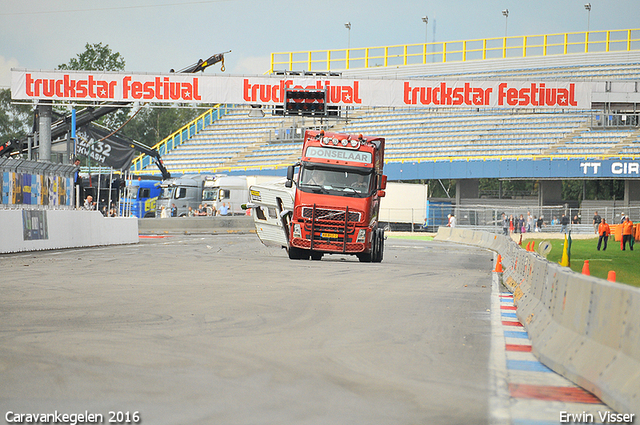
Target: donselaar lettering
x,y
338,154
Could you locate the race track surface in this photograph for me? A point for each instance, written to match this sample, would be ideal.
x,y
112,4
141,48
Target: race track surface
x,y
222,330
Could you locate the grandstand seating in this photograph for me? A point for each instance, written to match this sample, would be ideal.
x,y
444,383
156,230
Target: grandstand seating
x,y
236,141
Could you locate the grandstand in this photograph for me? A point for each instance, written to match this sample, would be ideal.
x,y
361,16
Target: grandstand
x,y
420,138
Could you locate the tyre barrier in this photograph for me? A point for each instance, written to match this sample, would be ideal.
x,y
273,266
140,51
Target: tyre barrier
x,y
584,328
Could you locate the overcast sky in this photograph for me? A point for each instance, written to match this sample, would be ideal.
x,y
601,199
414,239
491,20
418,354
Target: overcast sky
x,y
157,35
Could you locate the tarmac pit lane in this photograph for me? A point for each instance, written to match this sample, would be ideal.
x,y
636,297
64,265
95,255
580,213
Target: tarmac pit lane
x,y
222,330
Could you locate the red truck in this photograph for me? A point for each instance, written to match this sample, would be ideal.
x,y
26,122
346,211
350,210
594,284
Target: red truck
x,y
337,197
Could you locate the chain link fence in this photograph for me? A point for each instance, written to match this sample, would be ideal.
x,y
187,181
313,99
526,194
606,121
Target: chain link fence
x,y
489,217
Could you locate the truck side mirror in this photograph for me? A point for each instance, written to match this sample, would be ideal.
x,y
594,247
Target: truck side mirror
x,y
383,182
290,171
381,193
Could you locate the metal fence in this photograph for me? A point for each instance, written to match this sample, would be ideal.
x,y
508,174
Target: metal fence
x,y
489,217
35,184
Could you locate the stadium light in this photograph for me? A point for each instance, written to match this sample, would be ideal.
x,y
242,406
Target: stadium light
x,y
348,27
505,13
588,7
425,19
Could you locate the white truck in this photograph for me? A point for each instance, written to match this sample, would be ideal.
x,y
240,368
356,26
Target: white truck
x,y
193,190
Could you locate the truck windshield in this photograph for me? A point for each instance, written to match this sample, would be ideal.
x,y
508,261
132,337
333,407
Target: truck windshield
x,y
131,192
166,192
209,194
342,182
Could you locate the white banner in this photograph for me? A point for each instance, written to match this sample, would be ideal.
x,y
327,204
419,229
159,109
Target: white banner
x,y
78,86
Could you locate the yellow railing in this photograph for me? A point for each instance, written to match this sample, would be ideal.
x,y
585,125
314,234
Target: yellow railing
x,y
177,137
456,51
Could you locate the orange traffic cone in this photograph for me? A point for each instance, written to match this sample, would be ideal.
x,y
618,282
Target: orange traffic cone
x,y
585,268
499,264
529,246
612,276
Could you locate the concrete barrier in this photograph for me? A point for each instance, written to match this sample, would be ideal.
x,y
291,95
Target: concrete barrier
x,y
197,225
34,230
584,328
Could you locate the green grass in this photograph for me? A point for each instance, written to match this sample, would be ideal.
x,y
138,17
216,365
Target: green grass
x,y
626,264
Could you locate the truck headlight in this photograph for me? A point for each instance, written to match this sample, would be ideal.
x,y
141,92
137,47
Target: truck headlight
x,y
362,234
297,232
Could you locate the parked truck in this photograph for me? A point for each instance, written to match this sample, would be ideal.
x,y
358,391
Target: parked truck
x,y
139,198
192,190
336,201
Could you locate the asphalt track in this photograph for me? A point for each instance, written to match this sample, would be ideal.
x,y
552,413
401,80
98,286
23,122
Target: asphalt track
x,y
222,330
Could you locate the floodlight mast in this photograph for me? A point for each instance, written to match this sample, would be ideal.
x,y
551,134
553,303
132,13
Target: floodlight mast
x,y
505,13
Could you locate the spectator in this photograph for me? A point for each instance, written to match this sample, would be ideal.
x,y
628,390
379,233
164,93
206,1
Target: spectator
x,y
505,225
521,224
554,221
452,220
622,218
603,231
174,210
78,181
627,233
511,224
89,204
190,212
530,222
575,220
596,223
163,212
540,223
564,222
224,209
202,211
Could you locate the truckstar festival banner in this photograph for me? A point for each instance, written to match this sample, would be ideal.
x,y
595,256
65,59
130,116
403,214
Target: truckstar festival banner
x,y
77,86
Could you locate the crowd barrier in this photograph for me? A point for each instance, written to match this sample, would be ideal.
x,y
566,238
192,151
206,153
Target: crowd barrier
x,y
41,229
584,328
197,225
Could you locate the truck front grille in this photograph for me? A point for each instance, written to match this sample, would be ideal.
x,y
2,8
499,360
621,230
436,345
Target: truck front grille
x,y
323,214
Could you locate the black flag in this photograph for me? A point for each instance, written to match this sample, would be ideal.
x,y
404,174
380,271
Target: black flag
x,y
113,151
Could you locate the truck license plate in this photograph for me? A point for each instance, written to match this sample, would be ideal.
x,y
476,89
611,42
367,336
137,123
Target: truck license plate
x,y
330,235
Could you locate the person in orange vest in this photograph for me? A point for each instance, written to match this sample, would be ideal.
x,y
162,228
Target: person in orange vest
x,y
627,229
604,231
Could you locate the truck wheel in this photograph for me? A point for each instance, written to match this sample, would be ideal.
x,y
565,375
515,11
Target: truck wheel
x,y
316,256
371,256
298,254
380,246
364,258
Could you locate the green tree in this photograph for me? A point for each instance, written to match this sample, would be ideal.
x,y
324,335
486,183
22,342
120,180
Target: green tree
x,y
15,120
96,57
151,125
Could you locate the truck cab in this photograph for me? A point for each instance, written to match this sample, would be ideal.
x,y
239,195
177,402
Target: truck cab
x,y
226,190
337,199
181,192
139,198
